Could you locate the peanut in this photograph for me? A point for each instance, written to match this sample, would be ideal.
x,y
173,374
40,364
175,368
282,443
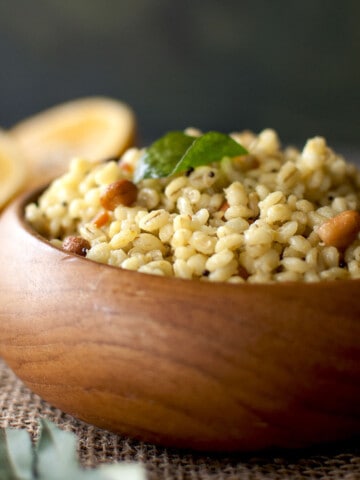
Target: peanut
x,y
246,162
243,273
341,230
76,245
224,206
121,192
101,219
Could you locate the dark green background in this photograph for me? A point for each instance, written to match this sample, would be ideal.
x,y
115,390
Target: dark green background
x,y
226,65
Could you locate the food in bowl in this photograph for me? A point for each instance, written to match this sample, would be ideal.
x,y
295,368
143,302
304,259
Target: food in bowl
x,y
259,365
223,208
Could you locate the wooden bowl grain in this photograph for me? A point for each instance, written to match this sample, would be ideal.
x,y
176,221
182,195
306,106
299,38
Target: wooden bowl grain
x,y
175,362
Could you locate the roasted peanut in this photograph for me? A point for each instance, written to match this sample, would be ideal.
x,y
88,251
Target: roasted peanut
x,y
122,192
246,162
101,219
76,245
243,273
341,230
224,206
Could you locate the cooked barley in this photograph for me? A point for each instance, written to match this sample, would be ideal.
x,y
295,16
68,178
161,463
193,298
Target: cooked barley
x,y
253,219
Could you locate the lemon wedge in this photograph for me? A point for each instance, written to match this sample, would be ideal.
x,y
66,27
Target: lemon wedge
x,y
12,169
94,127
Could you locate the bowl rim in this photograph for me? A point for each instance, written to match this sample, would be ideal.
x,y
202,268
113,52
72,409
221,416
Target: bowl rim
x,y
18,205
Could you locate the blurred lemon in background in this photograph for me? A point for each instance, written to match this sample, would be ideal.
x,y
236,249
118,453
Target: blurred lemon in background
x,y
94,127
13,170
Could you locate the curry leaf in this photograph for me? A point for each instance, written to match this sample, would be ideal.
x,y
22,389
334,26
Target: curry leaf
x,y
123,471
176,152
56,453
16,455
53,458
160,159
210,147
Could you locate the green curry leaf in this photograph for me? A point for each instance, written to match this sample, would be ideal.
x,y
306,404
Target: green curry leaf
x,y
176,152
56,453
16,455
53,458
209,148
160,159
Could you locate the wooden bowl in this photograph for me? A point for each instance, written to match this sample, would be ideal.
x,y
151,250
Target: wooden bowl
x,y
178,362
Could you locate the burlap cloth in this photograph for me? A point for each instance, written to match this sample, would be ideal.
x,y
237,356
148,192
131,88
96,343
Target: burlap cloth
x,y
21,408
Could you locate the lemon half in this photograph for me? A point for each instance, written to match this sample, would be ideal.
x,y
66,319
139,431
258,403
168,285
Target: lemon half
x,y
12,169
93,127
